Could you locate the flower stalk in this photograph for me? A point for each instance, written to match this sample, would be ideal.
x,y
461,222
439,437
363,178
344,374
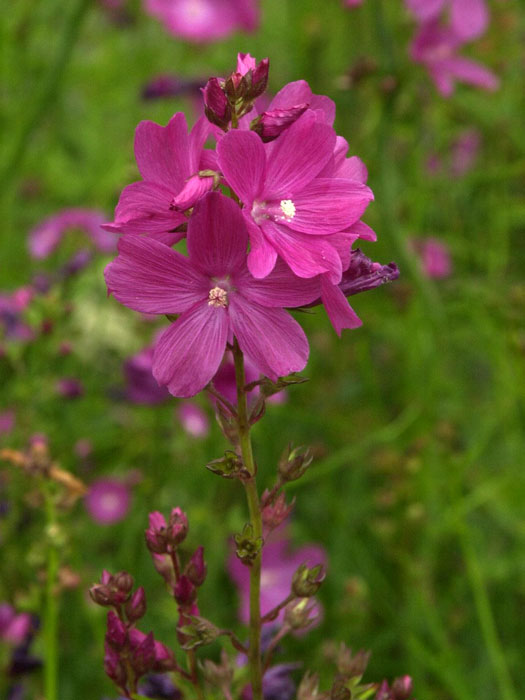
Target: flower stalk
x,y
254,652
51,601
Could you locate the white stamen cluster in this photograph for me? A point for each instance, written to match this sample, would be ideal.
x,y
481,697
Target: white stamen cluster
x,y
218,297
288,208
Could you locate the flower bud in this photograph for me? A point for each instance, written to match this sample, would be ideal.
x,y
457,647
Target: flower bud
x,y
164,660
306,582
156,538
101,594
116,634
136,605
309,687
301,613
269,125
123,582
177,527
402,688
196,567
184,591
274,514
194,188
143,657
248,546
254,75
349,665
294,463
230,466
199,632
216,105
218,675
114,667
339,691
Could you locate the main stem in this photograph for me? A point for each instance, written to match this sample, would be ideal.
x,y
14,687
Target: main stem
x,y
51,603
254,652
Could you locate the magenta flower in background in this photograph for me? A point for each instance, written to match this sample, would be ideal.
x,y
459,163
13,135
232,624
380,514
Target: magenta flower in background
x,y
224,382
279,564
202,21
465,150
193,419
469,18
168,159
436,48
69,388
45,238
13,628
289,211
108,501
216,297
141,385
435,257
7,421
12,304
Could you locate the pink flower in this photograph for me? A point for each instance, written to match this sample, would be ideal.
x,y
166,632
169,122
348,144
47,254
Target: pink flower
x,y
13,628
108,501
216,297
469,18
141,385
279,564
7,421
436,48
205,20
224,381
464,152
168,159
435,257
45,238
193,419
69,388
289,211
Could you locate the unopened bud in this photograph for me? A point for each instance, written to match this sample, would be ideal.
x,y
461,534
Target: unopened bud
x,y
294,463
143,657
301,613
402,688
199,632
101,594
136,605
274,514
216,105
269,125
309,687
218,675
230,466
114,667
116,634
339,691
349,665
156,537
196,567
306,582
177,527
184,591
248,546
123,582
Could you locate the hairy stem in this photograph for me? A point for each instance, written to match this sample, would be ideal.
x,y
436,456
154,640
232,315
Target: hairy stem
x,y
254,655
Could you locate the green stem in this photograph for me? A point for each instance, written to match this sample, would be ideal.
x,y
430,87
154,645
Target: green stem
x,y
254,652
51,602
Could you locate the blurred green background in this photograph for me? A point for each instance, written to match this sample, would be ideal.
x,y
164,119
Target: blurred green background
x,y
417,491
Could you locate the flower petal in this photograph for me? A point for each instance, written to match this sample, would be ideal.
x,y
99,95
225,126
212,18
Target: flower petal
x,y
471,72
217,236
469,18
280,288
328,205
242,160
189,352
144,207
162,152
298,155
262,255
337,307
292,94
271,338
148,276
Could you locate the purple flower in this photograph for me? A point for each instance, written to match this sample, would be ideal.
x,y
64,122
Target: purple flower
x,y
12,305
288,210
435,257
436,48
13,628
278,567
277,683
46,236
193,419
205,20
469,18
168,159
216,297
141,385
108,501
69,388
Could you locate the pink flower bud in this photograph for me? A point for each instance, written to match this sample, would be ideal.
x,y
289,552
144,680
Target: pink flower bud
x,y
402,688
216,105
155,534
274,514
196,568
272,123
116,634
136,605
143,657
184,592
177,527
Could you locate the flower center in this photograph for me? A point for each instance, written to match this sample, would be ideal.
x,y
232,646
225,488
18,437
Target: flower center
x,y
218,297
287,208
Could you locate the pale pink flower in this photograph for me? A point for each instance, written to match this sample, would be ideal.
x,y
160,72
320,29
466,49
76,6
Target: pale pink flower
x,y
14,627
45,238
435,257
7,421
193,419
468,18
108,501
465,150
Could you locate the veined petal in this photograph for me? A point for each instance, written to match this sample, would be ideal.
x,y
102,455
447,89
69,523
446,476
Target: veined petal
x,y
471,72
148,276
217,235
197,138
162,152
144,207
353,168
323,104
271,338
328,205
242,161
292,94
469,18
363,231
298,155
306,255
189,352
262,255
337,307
280,288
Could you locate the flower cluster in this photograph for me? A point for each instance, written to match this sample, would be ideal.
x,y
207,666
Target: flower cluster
x,y
281,240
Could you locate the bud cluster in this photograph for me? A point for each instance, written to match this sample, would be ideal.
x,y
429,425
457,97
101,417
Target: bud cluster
x,y
129,653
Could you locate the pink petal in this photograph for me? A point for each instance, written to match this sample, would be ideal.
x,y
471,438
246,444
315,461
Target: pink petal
x,y
328,205
470,18
162,152
471,72
425,10
443,80
298,155
242,160
292,94
354,169
198,135
337,307
262,255
280,288
217,236
363,231
189,352
324,105
144,207
271,338
306,255
148,276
